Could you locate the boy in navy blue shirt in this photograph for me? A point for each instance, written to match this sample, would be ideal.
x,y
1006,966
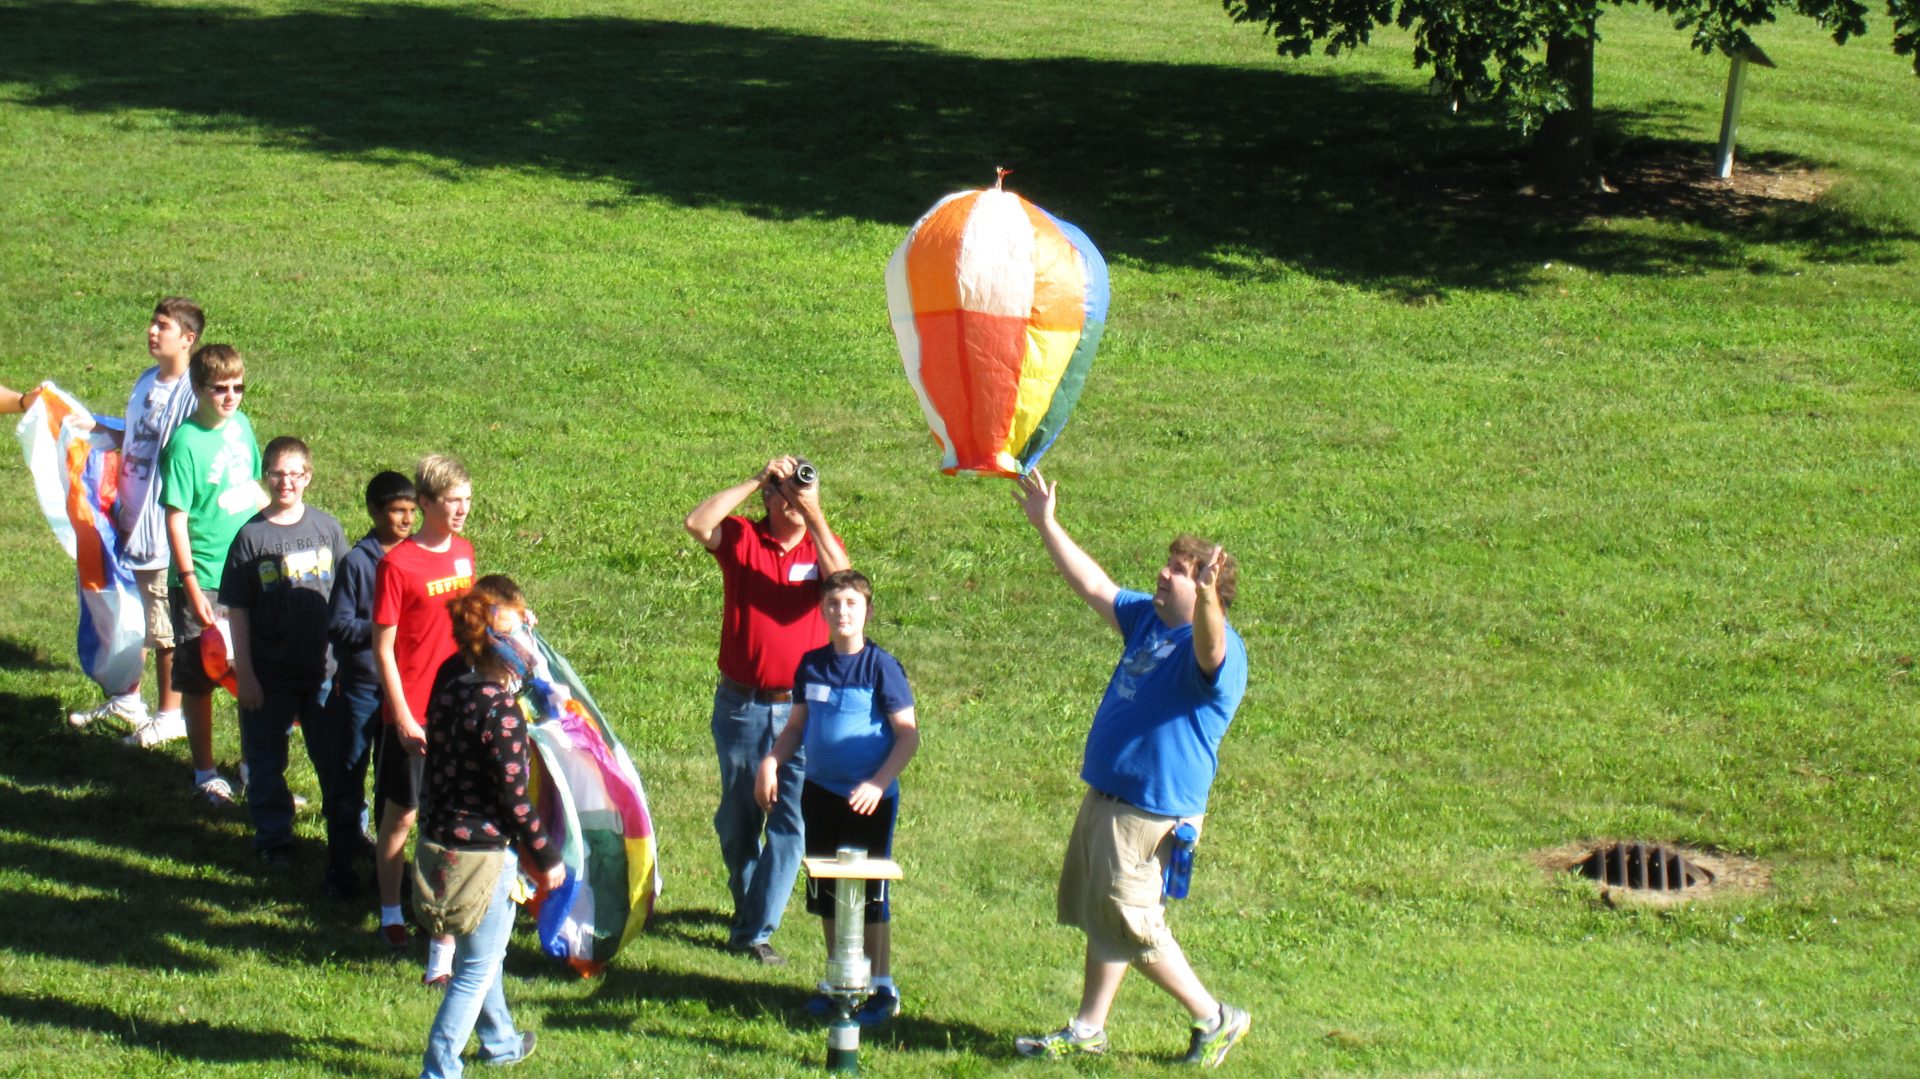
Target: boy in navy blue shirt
x,y
353,711
853,712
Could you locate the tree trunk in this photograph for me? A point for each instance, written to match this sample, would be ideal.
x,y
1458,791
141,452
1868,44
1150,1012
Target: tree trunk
x,y
1563,158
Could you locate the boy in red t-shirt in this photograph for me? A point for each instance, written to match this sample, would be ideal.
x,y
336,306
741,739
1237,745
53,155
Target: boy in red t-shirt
x,y
412,636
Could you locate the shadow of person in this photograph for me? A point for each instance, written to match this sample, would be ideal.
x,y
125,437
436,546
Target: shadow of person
x,y
190,1039
21,656
123,867
611,1006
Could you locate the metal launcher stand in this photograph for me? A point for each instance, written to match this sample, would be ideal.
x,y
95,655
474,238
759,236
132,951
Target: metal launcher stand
x,y
848,970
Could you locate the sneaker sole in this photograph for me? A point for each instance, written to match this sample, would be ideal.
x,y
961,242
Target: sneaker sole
x,y
1043,1051
150,743
83,720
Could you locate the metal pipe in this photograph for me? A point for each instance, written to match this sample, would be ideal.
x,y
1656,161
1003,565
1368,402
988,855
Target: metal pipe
x,y
1730,116
847,966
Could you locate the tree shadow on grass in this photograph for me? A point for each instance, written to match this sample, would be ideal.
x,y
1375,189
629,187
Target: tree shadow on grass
x,y
609,1007
213,1043
117,865
1169,164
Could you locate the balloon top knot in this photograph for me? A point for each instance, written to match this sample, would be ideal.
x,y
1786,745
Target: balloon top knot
x,y
1000,175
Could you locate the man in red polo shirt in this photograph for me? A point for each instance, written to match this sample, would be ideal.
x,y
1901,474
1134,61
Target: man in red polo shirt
x,y
771,571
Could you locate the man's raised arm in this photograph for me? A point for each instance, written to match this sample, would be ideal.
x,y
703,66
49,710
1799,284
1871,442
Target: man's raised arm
x,y
1209,617
1036,496
703,522
832,557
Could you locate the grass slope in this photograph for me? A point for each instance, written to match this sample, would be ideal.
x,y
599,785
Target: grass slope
x,y
1552,527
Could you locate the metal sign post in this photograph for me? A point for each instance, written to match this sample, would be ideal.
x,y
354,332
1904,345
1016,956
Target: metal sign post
x,y
1730,113
848,970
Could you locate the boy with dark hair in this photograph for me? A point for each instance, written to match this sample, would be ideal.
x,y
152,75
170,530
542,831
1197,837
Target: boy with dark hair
x,y
161,399
209,472
277,581
412,637
853,713
352,723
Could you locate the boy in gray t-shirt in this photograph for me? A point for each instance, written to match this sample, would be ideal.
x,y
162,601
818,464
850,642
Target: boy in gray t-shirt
x,y
276,585
161,400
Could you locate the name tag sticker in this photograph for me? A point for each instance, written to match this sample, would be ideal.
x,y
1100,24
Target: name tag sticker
x,y
817,692
803,571
463,567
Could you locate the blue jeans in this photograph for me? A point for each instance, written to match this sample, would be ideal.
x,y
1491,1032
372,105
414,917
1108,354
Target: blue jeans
x,y
340,745
474,999
263,746
760,875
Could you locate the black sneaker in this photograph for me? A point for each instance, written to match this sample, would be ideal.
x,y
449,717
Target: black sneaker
x,y
277,857
339,883
763,954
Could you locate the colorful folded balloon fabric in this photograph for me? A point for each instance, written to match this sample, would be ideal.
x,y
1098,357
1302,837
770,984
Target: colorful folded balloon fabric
x,y
74,480
592,803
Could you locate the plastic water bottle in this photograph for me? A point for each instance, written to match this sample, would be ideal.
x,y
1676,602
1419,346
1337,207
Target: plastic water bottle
x,y
1179,872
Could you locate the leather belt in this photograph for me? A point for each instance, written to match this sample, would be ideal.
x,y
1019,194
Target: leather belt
x,y
758,696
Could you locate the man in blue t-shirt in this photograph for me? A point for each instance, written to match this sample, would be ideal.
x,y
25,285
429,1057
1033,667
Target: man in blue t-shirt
x,y
1150,760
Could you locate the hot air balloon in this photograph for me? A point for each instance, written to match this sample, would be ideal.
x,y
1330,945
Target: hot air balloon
x,y
997,306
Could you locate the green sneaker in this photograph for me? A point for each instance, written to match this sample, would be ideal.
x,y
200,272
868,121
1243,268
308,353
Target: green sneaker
x,y
1209,1047
1062,1043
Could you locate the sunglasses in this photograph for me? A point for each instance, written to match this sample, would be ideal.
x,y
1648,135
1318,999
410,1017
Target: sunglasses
x,y
235,388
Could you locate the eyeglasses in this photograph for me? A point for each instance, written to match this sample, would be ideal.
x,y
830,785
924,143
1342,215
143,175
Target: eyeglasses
x,y
235,388
277,476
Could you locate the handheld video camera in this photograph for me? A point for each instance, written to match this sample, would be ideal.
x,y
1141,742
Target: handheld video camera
x,y
804,475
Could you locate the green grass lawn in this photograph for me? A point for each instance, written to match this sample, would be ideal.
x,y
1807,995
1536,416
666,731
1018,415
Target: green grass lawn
x,y
1553,527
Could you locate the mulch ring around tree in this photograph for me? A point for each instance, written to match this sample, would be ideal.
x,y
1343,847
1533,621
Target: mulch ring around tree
x,y
1659,180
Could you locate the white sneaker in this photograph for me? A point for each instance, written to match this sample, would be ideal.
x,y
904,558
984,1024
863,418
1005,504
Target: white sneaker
x,y
216,793
161,729
130,708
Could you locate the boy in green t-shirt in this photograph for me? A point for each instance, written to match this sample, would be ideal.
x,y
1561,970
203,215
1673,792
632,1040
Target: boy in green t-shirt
x,y
211,486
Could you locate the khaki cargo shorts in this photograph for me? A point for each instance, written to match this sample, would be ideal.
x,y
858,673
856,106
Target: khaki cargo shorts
x,y
1110,881
152,584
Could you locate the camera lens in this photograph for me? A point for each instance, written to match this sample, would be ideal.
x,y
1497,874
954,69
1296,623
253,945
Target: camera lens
x,y
804,475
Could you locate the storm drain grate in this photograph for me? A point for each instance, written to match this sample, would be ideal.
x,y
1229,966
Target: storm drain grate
x,y
1652,867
